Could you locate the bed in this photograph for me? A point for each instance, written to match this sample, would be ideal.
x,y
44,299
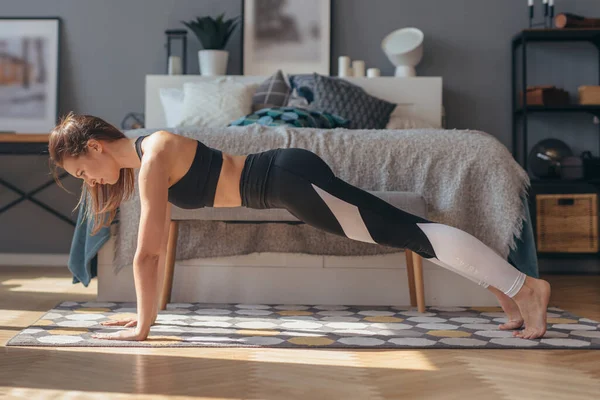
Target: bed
x,y
352,274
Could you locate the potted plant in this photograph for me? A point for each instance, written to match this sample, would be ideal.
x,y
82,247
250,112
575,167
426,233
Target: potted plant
x,y
213,35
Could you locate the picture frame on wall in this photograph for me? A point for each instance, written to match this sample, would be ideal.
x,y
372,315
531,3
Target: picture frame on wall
x,y
291,35
29,74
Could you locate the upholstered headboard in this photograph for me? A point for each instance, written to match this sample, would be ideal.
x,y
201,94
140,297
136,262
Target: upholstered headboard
x,y
420,97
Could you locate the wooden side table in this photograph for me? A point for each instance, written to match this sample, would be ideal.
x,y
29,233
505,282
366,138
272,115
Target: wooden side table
x,y
28,144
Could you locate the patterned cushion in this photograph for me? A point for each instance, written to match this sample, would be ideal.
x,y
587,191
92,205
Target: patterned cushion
x,y
304,85
290,116
272,92
297,101
340,97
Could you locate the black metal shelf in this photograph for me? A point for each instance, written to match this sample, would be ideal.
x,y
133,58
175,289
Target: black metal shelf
x,y
550,181
557,35
592,109
567,256
521,112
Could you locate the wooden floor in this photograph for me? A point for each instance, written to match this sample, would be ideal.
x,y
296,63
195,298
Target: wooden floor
x,y
209,373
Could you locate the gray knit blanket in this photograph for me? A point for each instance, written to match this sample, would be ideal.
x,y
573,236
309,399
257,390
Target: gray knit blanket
x,y
468,179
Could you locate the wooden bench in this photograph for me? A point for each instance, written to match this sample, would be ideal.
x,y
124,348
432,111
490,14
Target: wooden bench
x,y
408,201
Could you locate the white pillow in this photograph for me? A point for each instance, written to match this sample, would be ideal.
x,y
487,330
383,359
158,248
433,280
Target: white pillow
x,y
172,102
400,120
215,103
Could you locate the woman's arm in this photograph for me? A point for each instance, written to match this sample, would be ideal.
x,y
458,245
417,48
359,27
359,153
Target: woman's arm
x,y
162,261
154,185
153,182
132,322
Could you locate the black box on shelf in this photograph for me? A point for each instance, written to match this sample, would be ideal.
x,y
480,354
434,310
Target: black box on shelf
x,y
591,165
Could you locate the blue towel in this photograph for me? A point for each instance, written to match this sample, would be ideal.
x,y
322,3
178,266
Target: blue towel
x,y
83,262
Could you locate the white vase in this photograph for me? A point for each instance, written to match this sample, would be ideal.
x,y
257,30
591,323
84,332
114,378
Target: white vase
x,y
213,62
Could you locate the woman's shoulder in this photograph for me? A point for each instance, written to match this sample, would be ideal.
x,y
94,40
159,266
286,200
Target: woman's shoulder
x,y
159,142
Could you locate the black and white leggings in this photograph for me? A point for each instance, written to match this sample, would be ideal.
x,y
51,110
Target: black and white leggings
x,y
300,181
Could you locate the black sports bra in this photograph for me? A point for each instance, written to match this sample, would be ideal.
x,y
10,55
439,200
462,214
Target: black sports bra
x,y
198,186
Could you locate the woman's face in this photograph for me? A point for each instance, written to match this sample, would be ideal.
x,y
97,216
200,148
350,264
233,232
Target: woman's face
x,y
95,167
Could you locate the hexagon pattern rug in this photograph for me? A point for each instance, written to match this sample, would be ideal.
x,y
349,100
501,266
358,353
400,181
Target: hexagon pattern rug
x,y
306,326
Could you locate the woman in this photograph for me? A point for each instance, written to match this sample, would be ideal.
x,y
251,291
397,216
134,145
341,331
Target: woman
x,y
174,169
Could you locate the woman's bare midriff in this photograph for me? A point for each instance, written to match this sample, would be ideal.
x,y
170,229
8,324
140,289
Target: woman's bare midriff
x,y
228,185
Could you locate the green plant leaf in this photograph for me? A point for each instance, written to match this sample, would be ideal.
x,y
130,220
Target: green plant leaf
x,y
231,25
223,29
194,27
213,33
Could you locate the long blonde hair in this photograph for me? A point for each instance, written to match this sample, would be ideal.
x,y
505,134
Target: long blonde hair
x,y
69,138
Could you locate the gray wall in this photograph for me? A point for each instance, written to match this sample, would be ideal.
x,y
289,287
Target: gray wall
x,y
108,47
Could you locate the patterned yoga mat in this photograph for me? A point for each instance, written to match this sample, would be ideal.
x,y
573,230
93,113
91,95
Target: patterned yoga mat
x,y
303,326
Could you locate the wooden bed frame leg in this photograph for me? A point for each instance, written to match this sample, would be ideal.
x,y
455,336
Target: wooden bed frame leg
x,y
419,284
410,270
165,296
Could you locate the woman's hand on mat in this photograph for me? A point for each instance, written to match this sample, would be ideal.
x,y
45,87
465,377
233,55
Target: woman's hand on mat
x,y
129,334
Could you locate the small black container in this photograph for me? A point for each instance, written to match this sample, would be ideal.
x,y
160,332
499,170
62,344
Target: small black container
x,y
591,165
571,168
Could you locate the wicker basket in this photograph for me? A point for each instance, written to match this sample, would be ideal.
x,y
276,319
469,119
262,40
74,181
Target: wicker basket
x,y
567,223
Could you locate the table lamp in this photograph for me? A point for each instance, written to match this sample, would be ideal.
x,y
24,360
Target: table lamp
x,y
404,49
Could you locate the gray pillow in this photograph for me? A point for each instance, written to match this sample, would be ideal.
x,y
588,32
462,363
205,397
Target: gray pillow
x,y
340,97
273,92
304,84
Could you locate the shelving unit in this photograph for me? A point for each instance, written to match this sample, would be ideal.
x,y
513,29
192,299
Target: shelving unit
x,y
521,111
592,109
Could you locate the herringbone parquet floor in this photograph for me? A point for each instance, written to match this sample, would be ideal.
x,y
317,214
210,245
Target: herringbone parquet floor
x,y
209,373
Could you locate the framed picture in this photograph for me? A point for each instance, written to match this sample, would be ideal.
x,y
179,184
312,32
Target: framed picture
x,y
29,56
291,35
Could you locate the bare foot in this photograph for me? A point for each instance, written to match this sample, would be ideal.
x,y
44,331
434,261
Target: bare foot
x,y
510,308
513,314
533,300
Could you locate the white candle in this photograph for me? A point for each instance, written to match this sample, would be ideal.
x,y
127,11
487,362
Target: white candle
x,y
544,1
174,67
343,66
373,72
530,3
551,3
358,68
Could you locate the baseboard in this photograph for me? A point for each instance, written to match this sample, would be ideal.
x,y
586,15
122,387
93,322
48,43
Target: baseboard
x,y
33,260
